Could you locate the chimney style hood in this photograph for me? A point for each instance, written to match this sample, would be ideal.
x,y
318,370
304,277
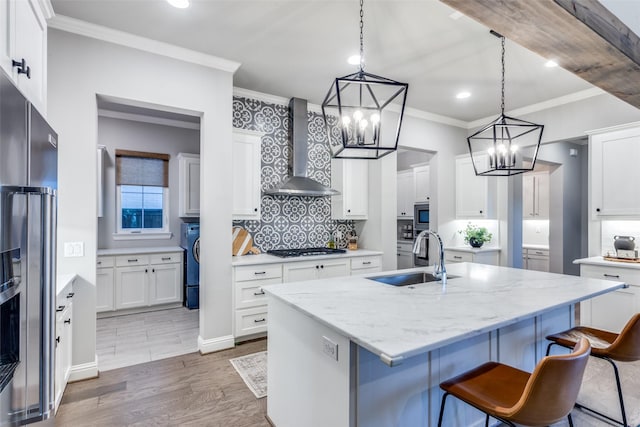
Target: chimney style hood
x,y
299,184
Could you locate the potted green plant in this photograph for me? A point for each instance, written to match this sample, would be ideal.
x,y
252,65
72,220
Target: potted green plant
x,y
475,236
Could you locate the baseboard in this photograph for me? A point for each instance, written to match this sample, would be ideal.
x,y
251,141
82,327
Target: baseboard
x,y
215,344
84,371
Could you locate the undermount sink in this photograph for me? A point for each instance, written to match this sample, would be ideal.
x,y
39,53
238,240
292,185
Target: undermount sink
x,y
405,279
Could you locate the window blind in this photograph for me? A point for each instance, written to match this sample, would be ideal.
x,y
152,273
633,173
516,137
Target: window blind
x,y
140,168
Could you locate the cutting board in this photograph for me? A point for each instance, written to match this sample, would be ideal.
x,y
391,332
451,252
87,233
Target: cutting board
x,y
242,241
634,261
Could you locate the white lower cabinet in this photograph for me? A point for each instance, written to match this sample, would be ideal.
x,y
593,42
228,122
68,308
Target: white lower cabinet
x,y
250,302
612,310
64,340
362,265
321,269
535,259
484,257
138,281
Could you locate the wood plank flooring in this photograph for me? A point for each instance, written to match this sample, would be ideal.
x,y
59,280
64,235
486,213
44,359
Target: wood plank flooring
x,y
188,390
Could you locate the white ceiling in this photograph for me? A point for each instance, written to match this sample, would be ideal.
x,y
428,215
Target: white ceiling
x,y
297,47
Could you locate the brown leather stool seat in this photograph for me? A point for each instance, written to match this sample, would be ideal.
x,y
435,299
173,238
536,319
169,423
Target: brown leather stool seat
x,y
609,346
513,396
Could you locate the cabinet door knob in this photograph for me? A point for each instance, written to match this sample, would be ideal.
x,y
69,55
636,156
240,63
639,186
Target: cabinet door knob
x,y
322,266
255,209
317,266
597,209
146,270
480,211
348,210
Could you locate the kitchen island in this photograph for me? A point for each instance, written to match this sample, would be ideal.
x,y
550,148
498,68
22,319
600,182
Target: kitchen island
x,y
355,352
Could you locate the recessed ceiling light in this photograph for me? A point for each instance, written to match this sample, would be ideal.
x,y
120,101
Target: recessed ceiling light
x,y
463,95
456,15
354,60
550,63
180,4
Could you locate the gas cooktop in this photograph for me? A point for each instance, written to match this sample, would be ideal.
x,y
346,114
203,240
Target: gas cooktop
x,y
286,253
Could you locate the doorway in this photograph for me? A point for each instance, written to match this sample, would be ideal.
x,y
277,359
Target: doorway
x,y
140,276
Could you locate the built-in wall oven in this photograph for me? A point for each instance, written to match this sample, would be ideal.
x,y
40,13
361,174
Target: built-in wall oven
x,y
421,223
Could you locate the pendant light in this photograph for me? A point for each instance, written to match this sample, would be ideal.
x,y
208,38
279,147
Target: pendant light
x,y
496,149
358,112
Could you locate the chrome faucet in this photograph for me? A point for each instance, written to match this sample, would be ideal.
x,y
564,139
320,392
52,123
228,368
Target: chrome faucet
x,y
439,270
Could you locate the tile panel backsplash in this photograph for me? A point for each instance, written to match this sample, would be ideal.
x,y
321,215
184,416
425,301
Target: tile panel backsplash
x,y
289,221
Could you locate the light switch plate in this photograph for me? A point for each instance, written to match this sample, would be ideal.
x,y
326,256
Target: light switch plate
x,y
73,249
329,348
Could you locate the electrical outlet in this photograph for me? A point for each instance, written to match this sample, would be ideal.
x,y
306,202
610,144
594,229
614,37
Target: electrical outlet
x,y
537,229
330,348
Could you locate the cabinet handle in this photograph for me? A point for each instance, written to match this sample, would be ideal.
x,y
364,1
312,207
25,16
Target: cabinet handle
x,y
457,257
133,260
366,262
57,340
615,276
260,320
257,273
68,321
70,295
60,308
167,258
22,67
539,253
99,262
259,293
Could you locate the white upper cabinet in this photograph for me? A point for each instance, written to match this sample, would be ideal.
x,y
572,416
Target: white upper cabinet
x,y
406,194
475,195
535,195
23,36
189,183
351,178
247,179
615,173
422,179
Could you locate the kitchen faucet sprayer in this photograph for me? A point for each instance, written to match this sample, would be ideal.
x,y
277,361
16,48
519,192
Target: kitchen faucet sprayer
x,y
439,270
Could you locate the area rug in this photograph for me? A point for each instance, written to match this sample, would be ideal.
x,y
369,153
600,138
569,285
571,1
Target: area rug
x,y
252,368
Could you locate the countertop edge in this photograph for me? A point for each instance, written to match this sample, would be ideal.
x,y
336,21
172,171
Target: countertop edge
x,y
601,262
270,259
472,250
131,251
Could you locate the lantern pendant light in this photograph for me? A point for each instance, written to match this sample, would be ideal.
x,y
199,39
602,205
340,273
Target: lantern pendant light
x,y
494,149
357,111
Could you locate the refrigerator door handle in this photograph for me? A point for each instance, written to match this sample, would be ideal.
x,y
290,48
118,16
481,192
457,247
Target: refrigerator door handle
x,y
19,189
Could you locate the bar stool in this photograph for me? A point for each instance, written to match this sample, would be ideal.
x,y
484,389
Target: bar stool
x,y
609,346
513,396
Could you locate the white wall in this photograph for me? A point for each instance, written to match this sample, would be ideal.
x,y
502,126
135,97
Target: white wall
x,y
81,68
137,136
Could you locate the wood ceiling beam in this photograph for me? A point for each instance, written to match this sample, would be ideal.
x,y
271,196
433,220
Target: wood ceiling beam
x,y
581,35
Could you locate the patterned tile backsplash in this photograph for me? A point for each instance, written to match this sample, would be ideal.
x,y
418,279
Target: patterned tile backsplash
x,y
289,221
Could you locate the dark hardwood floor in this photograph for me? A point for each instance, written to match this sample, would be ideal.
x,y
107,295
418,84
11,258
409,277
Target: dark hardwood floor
x,y
189,390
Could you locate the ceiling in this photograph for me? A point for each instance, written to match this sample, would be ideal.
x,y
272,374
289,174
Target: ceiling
x,y
297,47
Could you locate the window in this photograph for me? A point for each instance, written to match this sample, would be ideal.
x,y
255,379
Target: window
x,y
142,195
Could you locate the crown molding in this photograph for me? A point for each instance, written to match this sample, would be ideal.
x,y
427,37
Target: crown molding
x,y
47,8
271,99
544,105
99,32
148,119
425,115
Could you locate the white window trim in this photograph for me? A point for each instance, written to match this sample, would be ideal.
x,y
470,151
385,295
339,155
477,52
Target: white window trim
x,y
141,233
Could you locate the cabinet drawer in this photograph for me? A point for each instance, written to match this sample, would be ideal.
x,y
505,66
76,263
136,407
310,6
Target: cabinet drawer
x,y
537,252
365,262
253,272
455,256
631,277
167,258
250,293
131,260
251,320
105,261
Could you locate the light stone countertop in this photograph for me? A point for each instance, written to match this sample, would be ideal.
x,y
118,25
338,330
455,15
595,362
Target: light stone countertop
x,y
541,247
63,280
400,322
598,260
270,259
137,251
472,250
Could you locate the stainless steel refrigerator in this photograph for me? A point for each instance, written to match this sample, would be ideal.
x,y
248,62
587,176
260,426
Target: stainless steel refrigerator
x,y
28,184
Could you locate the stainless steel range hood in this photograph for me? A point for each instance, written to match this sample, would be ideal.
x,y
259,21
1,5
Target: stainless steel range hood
x,y
299,184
